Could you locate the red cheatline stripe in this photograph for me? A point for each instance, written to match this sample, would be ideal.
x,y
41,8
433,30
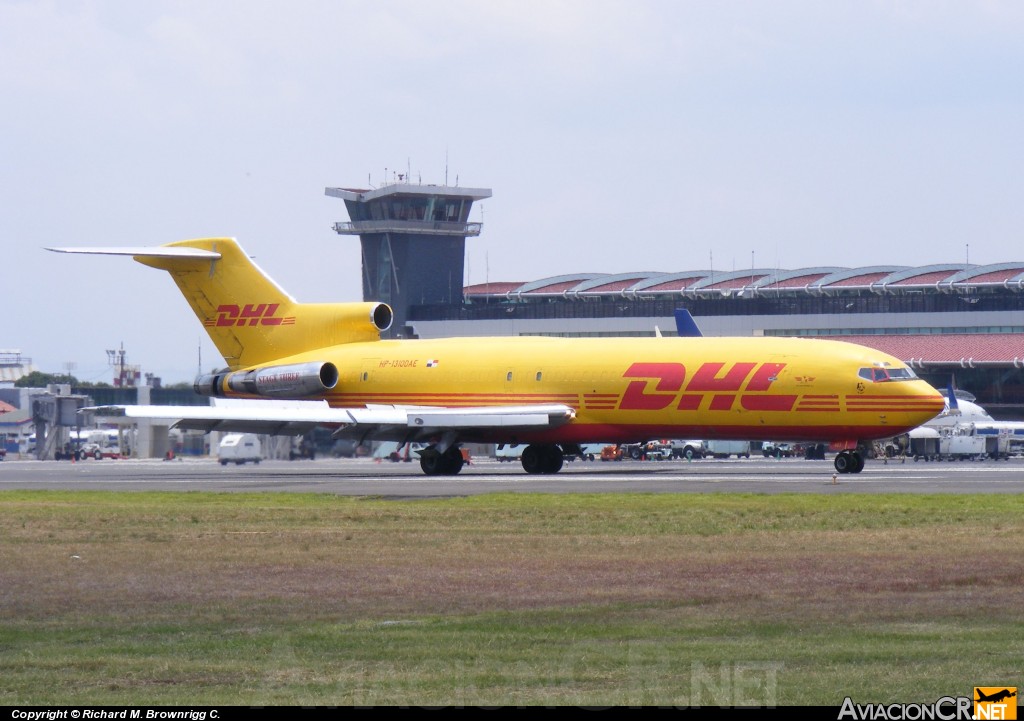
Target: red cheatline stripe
x,y
434,397
919,401
872,406
435,401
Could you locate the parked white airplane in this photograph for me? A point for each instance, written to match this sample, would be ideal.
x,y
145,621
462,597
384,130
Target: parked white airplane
x,y
964,428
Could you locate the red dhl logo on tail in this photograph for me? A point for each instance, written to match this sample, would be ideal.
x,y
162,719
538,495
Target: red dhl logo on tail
x,y
663,386
249,314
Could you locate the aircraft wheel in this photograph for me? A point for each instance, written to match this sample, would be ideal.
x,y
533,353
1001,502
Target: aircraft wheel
x,y
452,461
431,464
843,462
553,459
542,458
858,462
533,459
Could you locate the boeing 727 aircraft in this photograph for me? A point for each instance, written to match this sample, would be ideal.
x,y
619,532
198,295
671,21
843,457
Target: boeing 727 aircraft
x,y
550,394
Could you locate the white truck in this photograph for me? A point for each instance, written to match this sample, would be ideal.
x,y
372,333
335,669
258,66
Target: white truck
x,y
687,448
103,443
724,449
239,448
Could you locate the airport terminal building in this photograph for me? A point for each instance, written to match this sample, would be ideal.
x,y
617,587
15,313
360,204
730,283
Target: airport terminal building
x,y
952,322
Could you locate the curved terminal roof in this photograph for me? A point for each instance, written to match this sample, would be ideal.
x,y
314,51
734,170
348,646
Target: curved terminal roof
x,y
895,279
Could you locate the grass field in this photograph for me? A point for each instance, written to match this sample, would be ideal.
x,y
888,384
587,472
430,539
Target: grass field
x,y
297,599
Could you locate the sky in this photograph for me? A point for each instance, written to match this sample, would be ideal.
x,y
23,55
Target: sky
x,y
641,135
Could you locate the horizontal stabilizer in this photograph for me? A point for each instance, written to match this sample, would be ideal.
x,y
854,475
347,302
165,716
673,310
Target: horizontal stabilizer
x,y
146,252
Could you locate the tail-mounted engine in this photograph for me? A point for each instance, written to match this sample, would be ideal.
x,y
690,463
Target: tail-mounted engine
x,y
287,381
326,324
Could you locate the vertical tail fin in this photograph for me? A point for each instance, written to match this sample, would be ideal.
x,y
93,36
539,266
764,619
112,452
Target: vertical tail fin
x,y
954,407
237,303
686,326
252,320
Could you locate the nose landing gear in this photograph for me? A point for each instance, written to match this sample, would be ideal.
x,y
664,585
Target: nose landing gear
x,y
849,462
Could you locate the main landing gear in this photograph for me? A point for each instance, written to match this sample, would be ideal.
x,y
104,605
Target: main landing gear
x,y
448,463
542,458
849,462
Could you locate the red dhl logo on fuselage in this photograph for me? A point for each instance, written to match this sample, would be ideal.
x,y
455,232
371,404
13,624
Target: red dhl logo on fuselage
x,y
248,314
661,386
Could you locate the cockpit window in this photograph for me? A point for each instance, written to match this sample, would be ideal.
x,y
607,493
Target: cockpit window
x,y
883,373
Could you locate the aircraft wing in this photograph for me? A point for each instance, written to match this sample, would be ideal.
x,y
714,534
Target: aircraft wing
x,y
373,422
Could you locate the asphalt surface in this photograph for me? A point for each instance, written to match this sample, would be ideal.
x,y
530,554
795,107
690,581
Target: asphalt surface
x,y
366,477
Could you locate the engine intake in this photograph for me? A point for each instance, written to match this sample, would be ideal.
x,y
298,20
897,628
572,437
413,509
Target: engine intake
x,y
381,316
287,381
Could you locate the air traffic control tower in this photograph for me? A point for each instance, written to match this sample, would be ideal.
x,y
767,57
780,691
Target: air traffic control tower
x,y
413,240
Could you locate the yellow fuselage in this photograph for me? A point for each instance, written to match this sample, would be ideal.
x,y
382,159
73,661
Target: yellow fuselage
x,y
627,389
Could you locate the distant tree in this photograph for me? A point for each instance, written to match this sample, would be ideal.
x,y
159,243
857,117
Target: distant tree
x,y
38,379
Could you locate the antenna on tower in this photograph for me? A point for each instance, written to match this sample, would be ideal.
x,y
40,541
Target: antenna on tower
x,y
124,375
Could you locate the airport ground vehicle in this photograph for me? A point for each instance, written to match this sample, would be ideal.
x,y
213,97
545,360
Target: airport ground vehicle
x,y
99,444
772,449
406,452
612,452
690,448
724,449
239,448
649,451
302,448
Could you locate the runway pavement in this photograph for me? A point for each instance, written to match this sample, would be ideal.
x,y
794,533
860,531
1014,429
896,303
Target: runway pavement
x,y
365,477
